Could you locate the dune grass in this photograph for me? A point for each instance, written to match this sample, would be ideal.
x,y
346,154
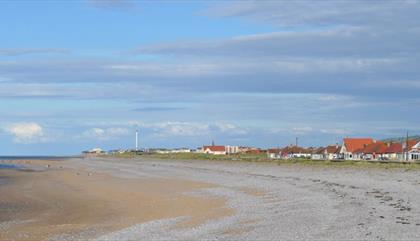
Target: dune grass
x,y
262,158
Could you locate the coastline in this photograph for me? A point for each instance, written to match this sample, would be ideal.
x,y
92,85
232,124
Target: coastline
x,y
60,200
124,199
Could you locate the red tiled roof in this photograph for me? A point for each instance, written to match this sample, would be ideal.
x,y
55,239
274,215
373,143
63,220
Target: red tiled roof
x,y
214,148
353,144
377,148
394,148
295,149
411,143
398,147
274,150
319,150
333,149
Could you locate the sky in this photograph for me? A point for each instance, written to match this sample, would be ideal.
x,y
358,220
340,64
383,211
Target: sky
x,y
75,75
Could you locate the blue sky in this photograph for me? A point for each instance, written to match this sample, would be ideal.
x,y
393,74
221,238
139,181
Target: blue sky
x,y
81,74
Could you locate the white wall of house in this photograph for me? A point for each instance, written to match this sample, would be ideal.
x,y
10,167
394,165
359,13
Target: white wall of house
x,y
208,151
317,156
232,149
274,155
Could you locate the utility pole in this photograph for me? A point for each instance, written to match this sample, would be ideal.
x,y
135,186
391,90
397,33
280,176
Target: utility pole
x,y
406,147
296,141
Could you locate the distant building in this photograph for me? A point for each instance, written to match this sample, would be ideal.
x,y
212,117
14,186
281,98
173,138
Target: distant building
x,y
94,151
274,153
326,153
373,151
181,150
295,152
249,150
414,152
215,150
232,149
351,145
394,152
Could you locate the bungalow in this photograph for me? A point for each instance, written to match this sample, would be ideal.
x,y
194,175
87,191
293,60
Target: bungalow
x,y
318,154
414,152
373,151
394,151
274,153
326,153
295,152
350,145
408,150
249,150
215,150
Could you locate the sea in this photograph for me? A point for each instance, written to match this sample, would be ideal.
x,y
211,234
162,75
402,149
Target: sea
x,y
5,165
8,166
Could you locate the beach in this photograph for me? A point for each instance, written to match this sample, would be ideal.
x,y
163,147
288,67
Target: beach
x,y
105,198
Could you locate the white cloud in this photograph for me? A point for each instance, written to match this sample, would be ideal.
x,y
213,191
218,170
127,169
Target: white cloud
x,y
105,134
336,131
26,132
189,129
179,129
302,130
231,129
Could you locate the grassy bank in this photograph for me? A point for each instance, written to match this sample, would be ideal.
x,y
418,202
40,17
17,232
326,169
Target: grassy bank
x,y
262,158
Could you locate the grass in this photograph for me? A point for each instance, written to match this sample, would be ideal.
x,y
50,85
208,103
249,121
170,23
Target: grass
x,y
262,158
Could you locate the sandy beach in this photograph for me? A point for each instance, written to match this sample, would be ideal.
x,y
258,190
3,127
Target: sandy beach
x,y
62,203
139,199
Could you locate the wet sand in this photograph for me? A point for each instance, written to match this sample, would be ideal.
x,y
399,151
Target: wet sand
x,y
58,202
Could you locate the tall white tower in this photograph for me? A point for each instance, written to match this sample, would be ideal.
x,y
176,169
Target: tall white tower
x,y
137,140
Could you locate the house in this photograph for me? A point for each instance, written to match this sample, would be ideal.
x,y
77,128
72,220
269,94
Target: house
x,y
350,145
405,151
232,149
215,150
181,150
94,151
326,153
394,151
295,152
274,153
249,150
414,152
318,154
372,151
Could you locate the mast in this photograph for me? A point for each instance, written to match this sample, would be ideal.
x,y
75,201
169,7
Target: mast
x,y
406,147
137,140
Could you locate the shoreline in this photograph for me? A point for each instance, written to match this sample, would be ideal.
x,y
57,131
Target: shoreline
x,y
63,200
141,199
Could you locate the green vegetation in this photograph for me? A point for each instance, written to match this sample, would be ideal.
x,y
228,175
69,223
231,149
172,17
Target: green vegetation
x,y
202,156
351,163
262,158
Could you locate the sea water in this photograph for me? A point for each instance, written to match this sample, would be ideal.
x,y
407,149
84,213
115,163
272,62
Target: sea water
x,y
8,166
